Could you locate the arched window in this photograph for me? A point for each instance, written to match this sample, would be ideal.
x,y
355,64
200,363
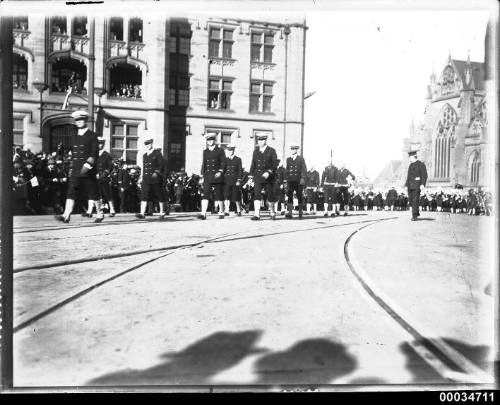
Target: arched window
x,y
474,166
125,81
19,72
444,131
67,73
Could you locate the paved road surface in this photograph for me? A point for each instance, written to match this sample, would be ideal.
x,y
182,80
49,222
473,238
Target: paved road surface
x,y
241,302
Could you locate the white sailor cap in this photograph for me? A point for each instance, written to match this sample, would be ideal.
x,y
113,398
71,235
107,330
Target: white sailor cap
x,y
210,135
231,147
148,141
294,146
80,115
261,135
101,140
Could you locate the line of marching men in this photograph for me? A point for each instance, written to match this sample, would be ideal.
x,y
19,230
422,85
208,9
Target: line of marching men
x,y
221,177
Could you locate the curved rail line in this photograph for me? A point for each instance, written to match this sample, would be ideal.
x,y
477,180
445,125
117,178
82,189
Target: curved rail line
x,y
92,287
162,248
449,363
170,250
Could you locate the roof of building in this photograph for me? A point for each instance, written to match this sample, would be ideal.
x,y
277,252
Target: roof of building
x,y
390,172
477,72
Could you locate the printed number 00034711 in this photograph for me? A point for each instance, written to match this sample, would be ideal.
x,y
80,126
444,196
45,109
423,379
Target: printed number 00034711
x,y
457,396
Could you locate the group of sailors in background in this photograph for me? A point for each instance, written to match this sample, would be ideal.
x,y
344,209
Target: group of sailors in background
x,y
91,180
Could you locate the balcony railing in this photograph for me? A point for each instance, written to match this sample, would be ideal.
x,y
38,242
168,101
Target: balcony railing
x,y
21,37
80,44
117,48
59,42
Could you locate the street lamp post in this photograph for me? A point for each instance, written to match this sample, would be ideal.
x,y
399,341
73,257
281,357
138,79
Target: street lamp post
x,y
41,87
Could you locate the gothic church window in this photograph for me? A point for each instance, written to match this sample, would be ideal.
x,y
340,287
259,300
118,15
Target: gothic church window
x,y
445,131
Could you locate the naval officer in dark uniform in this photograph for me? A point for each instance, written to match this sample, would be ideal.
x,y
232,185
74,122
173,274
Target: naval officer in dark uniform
x,y
296,173
344,179
312,186
104,169
263,171
82,173
151,187
233,175
212,170
329,184
415,182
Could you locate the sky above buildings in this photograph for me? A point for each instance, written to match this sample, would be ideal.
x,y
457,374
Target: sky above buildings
x,y
369,71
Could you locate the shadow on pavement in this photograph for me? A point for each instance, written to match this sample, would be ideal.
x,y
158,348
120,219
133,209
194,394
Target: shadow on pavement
x,y
194,365
424,373
312,361
476,354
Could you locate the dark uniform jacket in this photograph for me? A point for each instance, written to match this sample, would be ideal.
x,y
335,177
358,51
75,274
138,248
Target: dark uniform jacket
x,y
263,162
104,166
233,171
123,178
296,169
152,164
417,175
342,176
312,179
280,175
392,196
84,149
330,175
213,162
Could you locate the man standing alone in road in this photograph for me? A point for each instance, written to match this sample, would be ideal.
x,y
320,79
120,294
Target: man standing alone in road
x,y
415,182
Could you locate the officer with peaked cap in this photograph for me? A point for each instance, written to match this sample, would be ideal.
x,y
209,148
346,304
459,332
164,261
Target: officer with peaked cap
x,y
151,185
295,176
104,168
212,170
233,176
82,178
415,182
263,171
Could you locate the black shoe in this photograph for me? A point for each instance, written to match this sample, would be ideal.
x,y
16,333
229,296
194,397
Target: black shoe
x,y
325,214
255,218
98,220
222,216
226,214
238,214
201,216
413,218
112,214
140,216
289,216
161,217
332,215
345,214
61,218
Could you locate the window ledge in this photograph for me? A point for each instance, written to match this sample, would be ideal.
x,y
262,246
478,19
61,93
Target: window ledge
x,y
217,59
262,113
220,110
124,98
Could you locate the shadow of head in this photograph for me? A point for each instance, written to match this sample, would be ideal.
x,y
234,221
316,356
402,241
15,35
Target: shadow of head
x,y
312,361
193,365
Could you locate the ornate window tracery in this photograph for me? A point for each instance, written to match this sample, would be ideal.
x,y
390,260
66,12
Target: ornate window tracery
x,y
444,137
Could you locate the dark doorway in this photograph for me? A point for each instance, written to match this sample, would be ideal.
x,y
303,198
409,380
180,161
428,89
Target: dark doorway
x,y
61,134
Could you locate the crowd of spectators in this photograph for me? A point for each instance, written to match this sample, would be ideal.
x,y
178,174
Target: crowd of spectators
x,y
40,181
126,90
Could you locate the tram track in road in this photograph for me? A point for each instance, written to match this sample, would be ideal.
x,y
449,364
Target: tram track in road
x,y
163,252
41,266
72,297
444,359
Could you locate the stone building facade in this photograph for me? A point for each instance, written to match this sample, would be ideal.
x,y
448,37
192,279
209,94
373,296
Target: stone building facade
x,y
452,137
170,79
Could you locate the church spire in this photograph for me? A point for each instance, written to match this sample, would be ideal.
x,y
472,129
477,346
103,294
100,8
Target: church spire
x,y
469,82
